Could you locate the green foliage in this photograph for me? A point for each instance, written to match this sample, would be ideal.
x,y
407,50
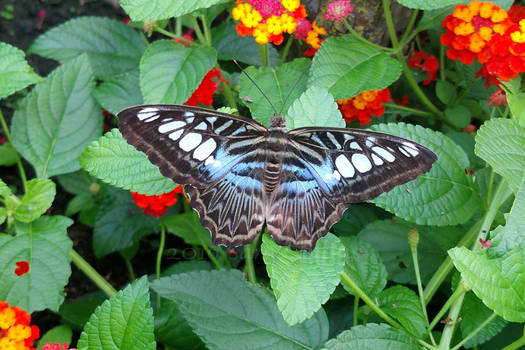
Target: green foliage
x,y
15,73
303,281
151,10
119,92
125,321
315,107
187,227
37,199
59,334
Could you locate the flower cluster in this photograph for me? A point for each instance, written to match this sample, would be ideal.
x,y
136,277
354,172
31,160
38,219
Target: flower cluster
x,y
493,36
208,86
56,346
16,333
363,106
156,205
425,62
338,10
267,20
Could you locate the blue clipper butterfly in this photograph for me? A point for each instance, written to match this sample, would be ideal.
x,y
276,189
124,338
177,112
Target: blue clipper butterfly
x,y
240,174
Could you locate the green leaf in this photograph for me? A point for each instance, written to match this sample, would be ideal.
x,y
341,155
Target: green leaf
x,y
231,46
119,92
152,10
58,119
188,227
78,182
499,283
315,107
355,219
120,223
170,72
389,237
428,4
346,67
116,162
458,115
501,143
7,154
3,215
442,196
186,266
363,264
432,18
467,142
125,321
59,334
112,46
5,191
446,92
39,195
15,73
473,314
228,313
303,281
372,337
77,312
513,233
276,83
44,244
403,304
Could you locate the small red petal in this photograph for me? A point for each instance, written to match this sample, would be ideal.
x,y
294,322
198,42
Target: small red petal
x,y
22,268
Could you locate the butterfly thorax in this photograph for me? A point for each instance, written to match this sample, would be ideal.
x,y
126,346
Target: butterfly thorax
x,y
275,145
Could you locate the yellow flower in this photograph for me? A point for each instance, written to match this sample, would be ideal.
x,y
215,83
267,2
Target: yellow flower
x,y
261,34
248,16
519,35
288,23
291,5
274,25
7,318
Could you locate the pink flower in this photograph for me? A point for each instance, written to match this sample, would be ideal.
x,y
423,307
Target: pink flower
x,y
302,28
338,10
484,244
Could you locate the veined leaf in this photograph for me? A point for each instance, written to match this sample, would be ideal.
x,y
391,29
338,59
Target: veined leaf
x,y
44,244
15,73
303,281
499,283
116,162
39,195
276,82
501,143
444,195
119,92
228,312
346,67
428,4
112,46
170,72
315,107
188,227
58,119
152,10
125,321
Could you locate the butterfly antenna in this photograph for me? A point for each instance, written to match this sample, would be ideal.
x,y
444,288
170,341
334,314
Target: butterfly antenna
x,y
295,85
257,86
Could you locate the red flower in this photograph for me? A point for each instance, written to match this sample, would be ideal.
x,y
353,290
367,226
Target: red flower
x,y
363,106
22,268
188,36
484,244
425,62
401,102
156,205
15,329
56,346
499,98
2,140
204,93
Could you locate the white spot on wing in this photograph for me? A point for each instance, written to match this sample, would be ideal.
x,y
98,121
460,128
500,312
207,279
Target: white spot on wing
x,y
337,175
384,154
147,113
209,160
224,126
355,145
175,135
212,119
190,141
154,117
344,166
205,149
190,120
167,127
188,114
332,139
377,160
402,149
361,162
348,137
238,131
201,126
410,148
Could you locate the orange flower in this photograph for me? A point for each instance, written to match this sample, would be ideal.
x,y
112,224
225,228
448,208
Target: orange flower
x,y
16,333
363,106
156,205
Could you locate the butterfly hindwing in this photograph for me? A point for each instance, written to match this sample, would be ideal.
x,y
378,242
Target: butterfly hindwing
x,y
190,145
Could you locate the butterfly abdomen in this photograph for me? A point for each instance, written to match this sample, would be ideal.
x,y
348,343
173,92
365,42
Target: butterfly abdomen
x,y
274,151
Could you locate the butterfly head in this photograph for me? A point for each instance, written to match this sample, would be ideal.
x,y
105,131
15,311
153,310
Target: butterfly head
x,y
277,122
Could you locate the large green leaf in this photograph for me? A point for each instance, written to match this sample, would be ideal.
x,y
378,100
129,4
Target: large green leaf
x,y
170,72
58,119
499,283
444,195
346,67
363,264
432,4
315,107
7,154
229,313
39,195
15,73
403,304
276,83
372,337
152,10
112,46
390,238
125,321
303,281
116,162
44,244
120,223
119,92
172,329
188,227
501,143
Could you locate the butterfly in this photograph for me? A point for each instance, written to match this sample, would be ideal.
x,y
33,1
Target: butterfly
x,y
240,175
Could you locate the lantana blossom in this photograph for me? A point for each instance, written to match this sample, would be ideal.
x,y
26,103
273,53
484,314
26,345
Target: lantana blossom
x,y
156,205
207,88
363,106
338,10
425,62
16,332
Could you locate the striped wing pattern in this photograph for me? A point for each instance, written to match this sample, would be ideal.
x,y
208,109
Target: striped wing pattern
x,y
240,174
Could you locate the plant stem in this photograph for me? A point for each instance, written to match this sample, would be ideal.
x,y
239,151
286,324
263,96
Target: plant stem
x,y
475,331
358,36
17,157
286,49
174,36
409,26
92,274
356,310
263,50
160,252
130,269
408,109
198,30
457,293
448,331
249,269
390,23
207,31
515,345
